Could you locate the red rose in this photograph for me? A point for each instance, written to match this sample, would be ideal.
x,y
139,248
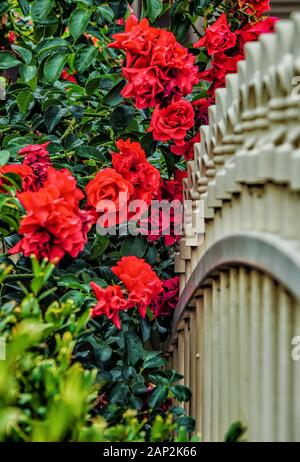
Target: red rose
x,y
251,33
110,186
218,37
54,225
146,85
132,164
172,122
165,303
65,75
140,281
37,157
157,66
110,302
186,150
24,171
221,65
258,7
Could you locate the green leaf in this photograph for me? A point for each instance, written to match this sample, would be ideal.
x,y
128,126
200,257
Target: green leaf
x,y
54,66
4,157
158,396
148,144
100,245
24,5
4,7
136,246
121,117
52,116
106,12
170,161
50,46
78,21
133,347
25,54
235,432
92,85
114,97
153,359
27,72
7,60
154,8
24,98
181,392
41,8
85,57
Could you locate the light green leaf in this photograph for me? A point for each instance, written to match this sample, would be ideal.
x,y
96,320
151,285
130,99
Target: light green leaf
x,y
154,9
24,98
7,60
4,157
27,72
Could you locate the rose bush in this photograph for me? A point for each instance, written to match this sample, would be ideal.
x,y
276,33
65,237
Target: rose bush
x,y
98,103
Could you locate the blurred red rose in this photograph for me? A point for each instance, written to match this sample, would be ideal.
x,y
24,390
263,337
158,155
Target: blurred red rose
x,y
220,66
111,301
140,281
251,33
166,225
186,150
165,303
218,37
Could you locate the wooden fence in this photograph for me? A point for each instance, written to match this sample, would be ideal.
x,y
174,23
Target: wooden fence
x,y
239,308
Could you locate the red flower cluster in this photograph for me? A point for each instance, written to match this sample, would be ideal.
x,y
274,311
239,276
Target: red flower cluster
x,y
226,47
142,286
165,303
158,68
172,122
132,178
132,164
140,281
37,158
54,224
256,7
